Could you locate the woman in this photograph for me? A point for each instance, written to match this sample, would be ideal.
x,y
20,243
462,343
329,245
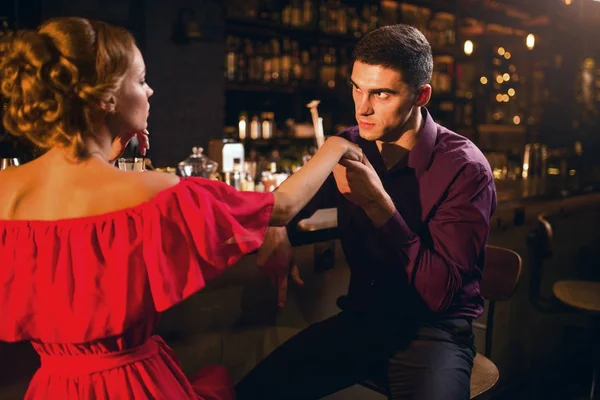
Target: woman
x,y
90,255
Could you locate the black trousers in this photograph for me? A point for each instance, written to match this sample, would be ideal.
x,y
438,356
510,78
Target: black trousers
x,y
421,361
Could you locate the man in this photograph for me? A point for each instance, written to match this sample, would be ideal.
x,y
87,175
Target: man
x,y
414,220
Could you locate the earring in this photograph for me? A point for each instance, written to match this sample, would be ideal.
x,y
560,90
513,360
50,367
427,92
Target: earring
x,y
109,108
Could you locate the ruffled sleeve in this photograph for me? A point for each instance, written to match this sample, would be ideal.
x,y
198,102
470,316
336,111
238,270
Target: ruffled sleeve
x,y
195,232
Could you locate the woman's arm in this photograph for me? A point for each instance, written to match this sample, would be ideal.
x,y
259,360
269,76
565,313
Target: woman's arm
x,y
293,194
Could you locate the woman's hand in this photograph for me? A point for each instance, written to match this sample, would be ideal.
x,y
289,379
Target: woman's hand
x,y
120,144
349,150
275,259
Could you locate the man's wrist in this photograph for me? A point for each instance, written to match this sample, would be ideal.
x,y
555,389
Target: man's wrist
x,y
380,211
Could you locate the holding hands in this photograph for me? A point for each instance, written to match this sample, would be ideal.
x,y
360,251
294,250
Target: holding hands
x,y
350,151
358,182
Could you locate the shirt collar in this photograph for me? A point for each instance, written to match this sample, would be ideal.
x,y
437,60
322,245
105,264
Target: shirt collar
x,y
420,157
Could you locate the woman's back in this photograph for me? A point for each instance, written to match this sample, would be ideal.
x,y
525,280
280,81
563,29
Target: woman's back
x,y
52,188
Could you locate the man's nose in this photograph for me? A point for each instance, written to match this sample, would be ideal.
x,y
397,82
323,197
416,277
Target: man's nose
x,y
364,106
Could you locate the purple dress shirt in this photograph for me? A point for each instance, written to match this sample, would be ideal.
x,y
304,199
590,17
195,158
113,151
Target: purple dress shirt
x,y
426,260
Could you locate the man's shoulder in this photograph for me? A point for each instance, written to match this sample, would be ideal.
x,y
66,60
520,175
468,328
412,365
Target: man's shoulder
x,y
454,149
351,133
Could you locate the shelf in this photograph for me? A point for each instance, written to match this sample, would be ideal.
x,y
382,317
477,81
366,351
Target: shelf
x,y
255,26
269,29
262,87
289,89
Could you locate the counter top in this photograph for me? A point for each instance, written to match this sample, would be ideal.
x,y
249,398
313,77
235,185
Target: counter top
x,y
324,221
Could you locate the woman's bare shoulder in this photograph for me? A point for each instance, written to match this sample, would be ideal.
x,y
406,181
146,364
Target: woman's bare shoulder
x,y
151,183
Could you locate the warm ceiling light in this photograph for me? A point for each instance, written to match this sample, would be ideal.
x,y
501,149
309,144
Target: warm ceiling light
x,y
530,41
468,47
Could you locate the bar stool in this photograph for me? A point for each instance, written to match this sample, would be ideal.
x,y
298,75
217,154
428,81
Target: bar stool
x,y
501,274
584,296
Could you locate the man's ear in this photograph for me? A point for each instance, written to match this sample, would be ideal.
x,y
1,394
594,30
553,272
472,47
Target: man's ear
x,y
423,95
109,106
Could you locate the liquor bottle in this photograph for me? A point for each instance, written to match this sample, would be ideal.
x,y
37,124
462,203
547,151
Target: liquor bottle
x,y
255,128
308,14
286,62
297,20
259,62
297,64
267,63
275,61
230,59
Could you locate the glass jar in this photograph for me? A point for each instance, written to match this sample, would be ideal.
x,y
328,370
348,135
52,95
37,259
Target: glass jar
x,y
197,164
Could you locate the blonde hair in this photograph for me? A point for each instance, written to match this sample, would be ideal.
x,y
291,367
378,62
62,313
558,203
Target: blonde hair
x,y
53,77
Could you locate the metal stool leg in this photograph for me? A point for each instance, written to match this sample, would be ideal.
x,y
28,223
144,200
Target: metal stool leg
x,y
593,389
595,354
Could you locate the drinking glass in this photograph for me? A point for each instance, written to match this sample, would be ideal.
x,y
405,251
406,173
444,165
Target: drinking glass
x,y
131,164
8,162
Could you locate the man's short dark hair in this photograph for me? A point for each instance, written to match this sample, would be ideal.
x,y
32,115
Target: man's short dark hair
x,y
400,47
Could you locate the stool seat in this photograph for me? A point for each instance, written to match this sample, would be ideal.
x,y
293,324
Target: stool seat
x,y
484,375
584,295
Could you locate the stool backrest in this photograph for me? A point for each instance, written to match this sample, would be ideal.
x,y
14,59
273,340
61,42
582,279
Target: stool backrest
x,y
501,273
545,235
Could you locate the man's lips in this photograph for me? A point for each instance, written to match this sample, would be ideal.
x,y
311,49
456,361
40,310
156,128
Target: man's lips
x,y
364,124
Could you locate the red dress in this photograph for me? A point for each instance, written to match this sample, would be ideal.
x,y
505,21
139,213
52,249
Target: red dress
x,y
87,292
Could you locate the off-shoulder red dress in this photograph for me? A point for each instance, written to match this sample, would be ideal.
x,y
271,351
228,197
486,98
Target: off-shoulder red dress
x,y
87,292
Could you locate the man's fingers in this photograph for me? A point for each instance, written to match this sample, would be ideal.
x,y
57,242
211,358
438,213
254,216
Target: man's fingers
x,y
356,168
345,163
366,162
351,164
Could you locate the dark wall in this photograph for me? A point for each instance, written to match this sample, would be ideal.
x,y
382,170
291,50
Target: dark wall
x,y
188,103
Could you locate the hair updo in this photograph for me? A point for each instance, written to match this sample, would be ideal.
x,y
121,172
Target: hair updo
x,y
54,77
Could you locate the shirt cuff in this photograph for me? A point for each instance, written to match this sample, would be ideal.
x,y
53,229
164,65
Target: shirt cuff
x,y
397,229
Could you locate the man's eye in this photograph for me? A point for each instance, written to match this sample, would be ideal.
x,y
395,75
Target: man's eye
x,y
382,95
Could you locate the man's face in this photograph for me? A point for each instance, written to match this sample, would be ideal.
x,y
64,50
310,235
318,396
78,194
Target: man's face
x,y
383,103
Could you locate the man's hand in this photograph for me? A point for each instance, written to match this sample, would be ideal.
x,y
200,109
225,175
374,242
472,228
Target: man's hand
x,y
275,258
360,184
120,143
